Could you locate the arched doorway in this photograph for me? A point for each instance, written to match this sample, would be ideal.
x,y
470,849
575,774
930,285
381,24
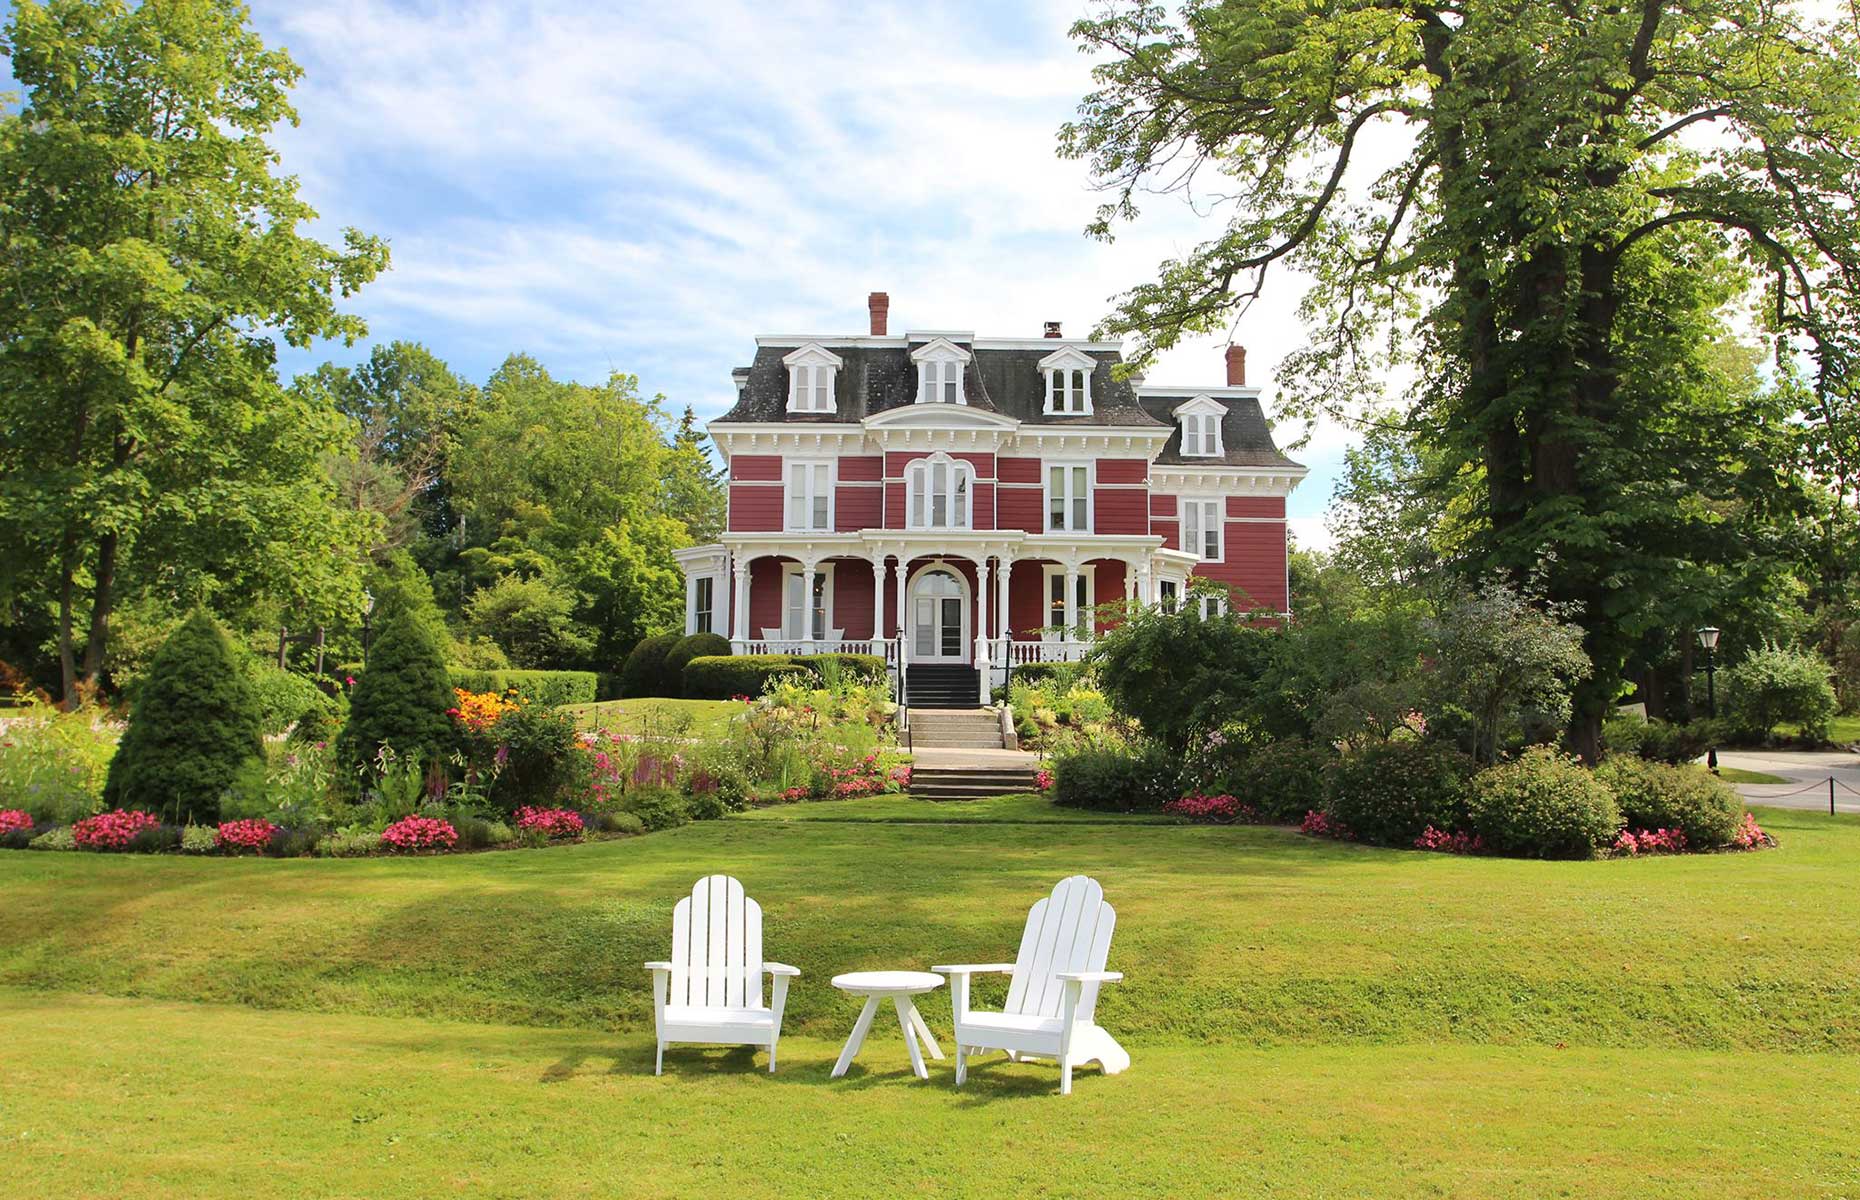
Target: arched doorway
x,y
939,621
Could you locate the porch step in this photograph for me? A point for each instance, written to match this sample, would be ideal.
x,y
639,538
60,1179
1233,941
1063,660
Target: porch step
x,y
941,685
968,783
965,728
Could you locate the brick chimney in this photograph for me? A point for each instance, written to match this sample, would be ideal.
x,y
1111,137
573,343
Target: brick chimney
x,y
1052,329
1236,366
879,304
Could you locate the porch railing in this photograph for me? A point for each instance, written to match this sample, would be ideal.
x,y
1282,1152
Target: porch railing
x,y
886,649
1001,651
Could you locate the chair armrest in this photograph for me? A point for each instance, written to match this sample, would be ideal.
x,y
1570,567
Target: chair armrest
x,y
658,966
1089,976
976,969
780,969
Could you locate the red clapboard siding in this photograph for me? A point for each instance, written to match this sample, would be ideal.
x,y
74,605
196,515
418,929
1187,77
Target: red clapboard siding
x,y
1018,470
764,595
756,466
1255,563
755,508
1256,506
982,507
897,460
1169,531
1121,510
856,508
1027,600
1018,508
1123,470
984,464
1109,586
1161,505
862,468
894,506
852,596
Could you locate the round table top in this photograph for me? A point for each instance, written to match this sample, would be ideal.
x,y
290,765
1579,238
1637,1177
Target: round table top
x,y
888,982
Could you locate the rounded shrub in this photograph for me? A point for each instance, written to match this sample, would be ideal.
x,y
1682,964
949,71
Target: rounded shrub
x,y
540,757
1657,796
1772,686
1391,792
1282,780
698,645
644,671
722,677
193,730
1139,779
401,699
658,808
284,696
1543,805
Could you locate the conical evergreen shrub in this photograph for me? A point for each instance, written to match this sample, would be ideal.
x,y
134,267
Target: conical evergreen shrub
x,y
193,727
402,697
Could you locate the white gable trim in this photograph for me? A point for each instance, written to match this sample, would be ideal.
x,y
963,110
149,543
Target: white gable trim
x,y
813,354
940,349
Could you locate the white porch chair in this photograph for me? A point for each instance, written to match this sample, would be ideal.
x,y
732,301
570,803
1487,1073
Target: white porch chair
x,y
1053,995
710,991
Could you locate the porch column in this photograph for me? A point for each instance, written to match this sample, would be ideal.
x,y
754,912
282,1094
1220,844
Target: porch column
x,y
807,606
904,621
1072,607
1130,580
1146,593
1002,629
982,670
739,607
690,602
878,605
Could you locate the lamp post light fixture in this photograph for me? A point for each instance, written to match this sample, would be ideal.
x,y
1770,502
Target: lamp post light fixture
x,y
368,610
1708,638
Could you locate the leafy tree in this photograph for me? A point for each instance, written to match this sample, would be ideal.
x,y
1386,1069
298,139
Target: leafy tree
x,y
149,255
1577,192
1504,661
694,485
1179,674
402,698
532,620
194,727
1773,685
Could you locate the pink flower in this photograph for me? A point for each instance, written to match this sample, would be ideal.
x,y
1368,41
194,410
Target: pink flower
x,y
1750,835
112,830
552,822
254,834
419,833
14,820
1319,824
1223,808
1449,843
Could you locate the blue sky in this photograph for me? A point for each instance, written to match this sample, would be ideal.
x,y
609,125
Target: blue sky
x,y
646,187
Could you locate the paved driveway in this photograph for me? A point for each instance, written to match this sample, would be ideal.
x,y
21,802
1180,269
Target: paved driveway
x,y
1802,768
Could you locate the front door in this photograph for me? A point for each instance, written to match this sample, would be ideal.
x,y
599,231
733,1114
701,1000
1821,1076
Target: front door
x,y
939,618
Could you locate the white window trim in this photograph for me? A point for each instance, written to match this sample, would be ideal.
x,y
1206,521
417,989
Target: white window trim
x,y
1220,526
1202,415
824,573
787,493
921,469
1061,366
697,604
805,367
936,359
1088,577
1046,494
909,623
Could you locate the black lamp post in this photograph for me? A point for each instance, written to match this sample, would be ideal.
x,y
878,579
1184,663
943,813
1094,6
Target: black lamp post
x,y
1708,638
368,610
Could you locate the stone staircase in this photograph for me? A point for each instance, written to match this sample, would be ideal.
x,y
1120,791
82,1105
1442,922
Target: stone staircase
x,y
939,685
967,728
969,783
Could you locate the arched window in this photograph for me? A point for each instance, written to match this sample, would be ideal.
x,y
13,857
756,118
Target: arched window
x,y
941,493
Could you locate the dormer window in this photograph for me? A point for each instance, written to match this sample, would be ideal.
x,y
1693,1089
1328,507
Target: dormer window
x,y
940,365
810,379
1201,428
1068,382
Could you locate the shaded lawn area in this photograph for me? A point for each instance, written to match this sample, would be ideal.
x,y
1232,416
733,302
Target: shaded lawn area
x,y
904,809
1236,936
708,718
134,1099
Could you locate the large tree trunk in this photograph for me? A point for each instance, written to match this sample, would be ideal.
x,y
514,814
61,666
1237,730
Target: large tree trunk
x,y
67,648
103,595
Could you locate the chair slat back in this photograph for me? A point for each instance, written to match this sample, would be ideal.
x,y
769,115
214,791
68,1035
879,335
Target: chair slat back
x,y
1070,930
717,947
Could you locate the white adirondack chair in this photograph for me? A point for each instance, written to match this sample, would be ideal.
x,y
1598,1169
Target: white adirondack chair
x,y
1054,992
710,991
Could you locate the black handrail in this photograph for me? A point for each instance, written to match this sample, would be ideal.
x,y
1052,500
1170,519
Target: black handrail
x,y
904,703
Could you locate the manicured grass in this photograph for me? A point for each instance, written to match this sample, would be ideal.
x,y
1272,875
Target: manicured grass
x,y
1739,775
1237,936
707,718
905,809
140,1099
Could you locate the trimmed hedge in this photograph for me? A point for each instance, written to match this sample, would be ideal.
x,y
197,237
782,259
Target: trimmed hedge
x,y
1656,796
697,645
1112,780
724,676
644,671
554,688
866,668
1543,805
1390,792
284,696
1282,780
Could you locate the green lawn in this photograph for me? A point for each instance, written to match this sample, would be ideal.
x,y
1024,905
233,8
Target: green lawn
x,y
1739,775
1306,1018
707,717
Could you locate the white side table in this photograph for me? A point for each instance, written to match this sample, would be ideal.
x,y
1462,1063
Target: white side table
x,y
900,987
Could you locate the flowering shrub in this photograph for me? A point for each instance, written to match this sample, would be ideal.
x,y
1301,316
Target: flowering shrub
x,y
239,836
1750,835
53,763
901,778
552,822
1650,841
14,820
1449,843
794,793
1319,824
1223,808
478,711
113,830
419,833
1042,779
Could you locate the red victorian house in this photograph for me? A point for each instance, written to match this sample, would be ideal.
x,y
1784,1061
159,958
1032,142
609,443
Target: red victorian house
x,y
958,503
